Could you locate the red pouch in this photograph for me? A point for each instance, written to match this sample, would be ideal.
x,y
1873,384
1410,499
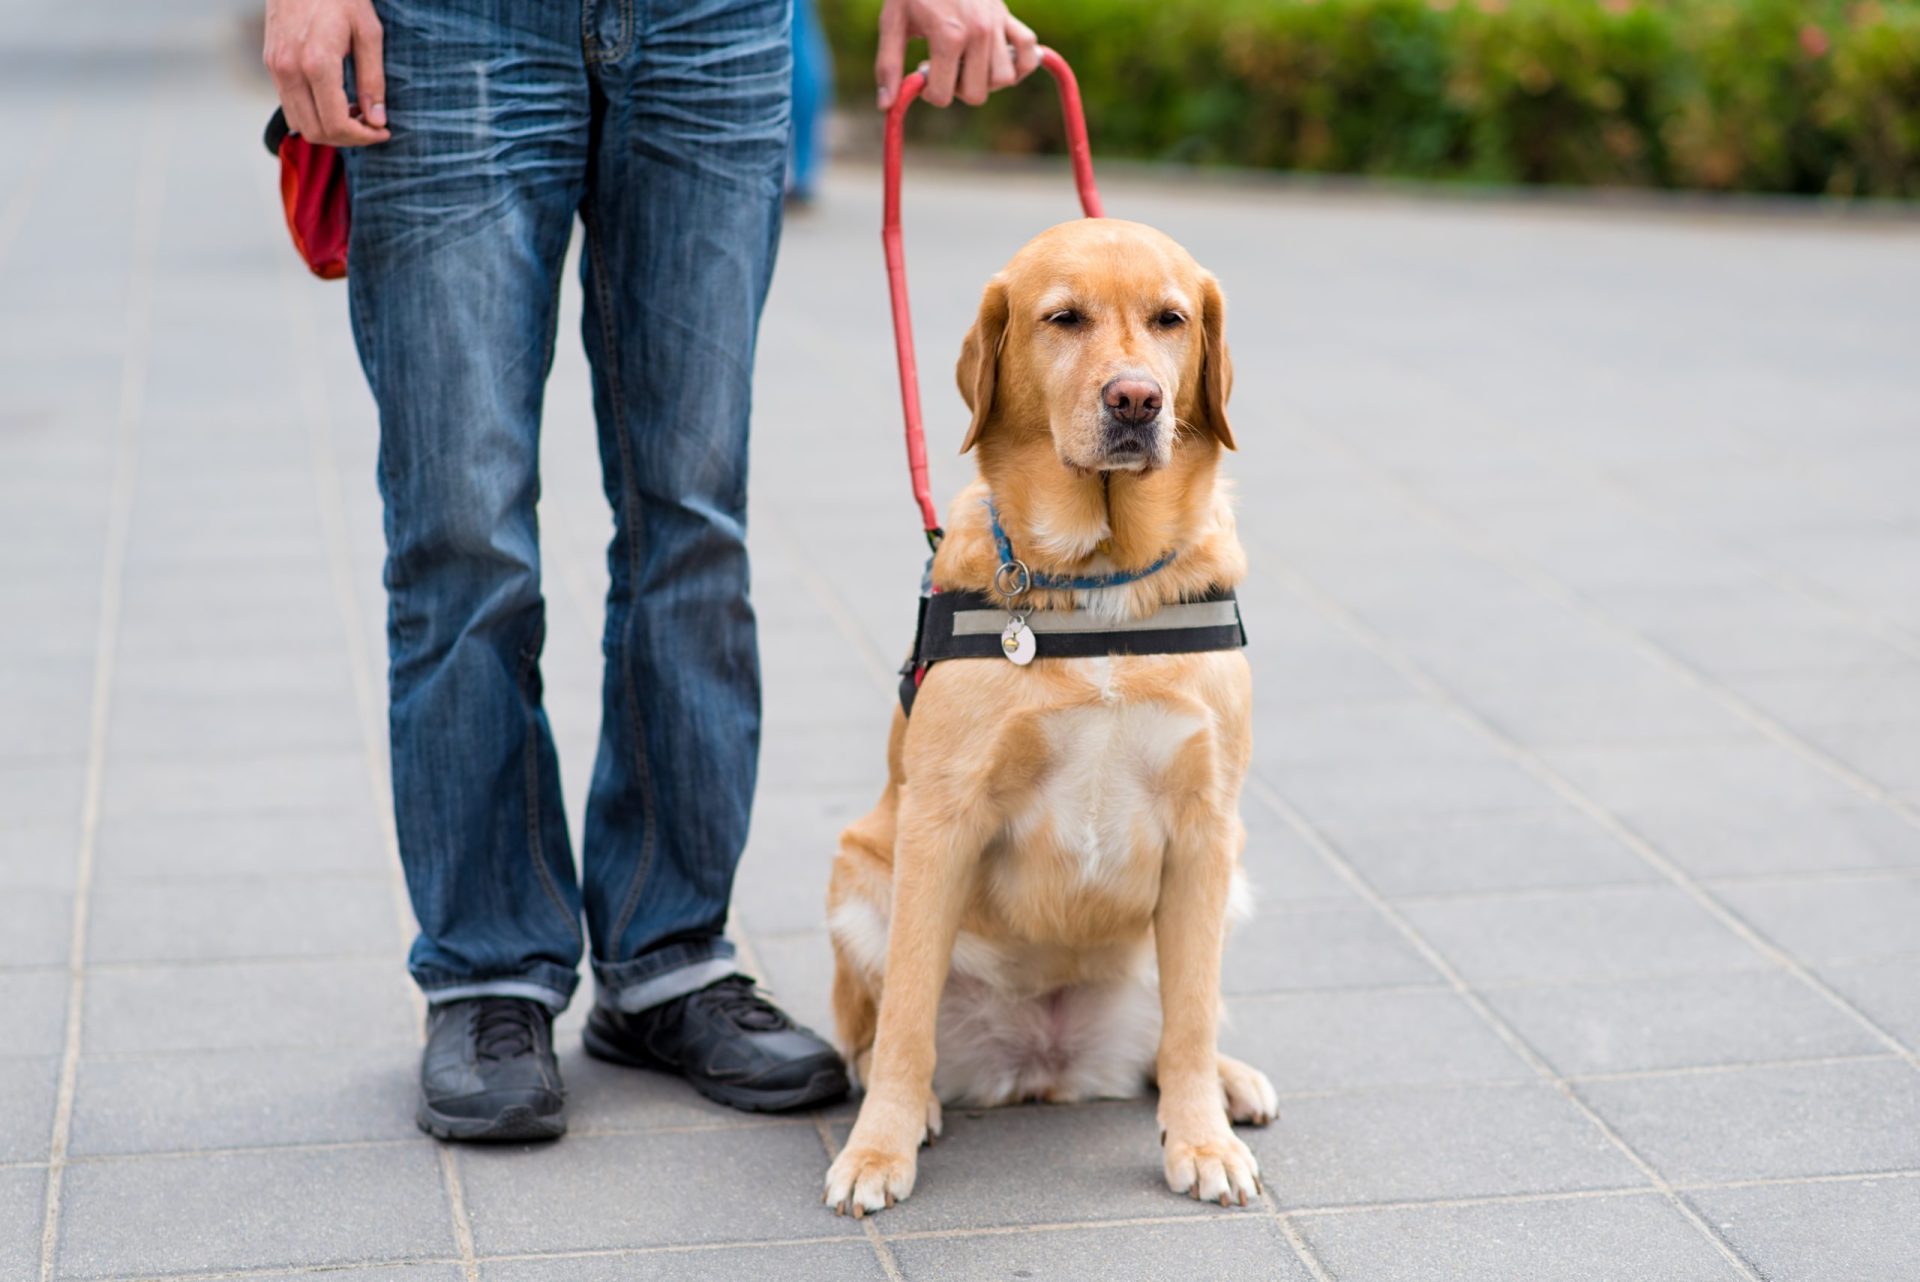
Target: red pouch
x,y
313,187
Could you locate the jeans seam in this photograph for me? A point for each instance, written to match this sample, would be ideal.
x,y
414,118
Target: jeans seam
x,y
529,657
589,37
630,499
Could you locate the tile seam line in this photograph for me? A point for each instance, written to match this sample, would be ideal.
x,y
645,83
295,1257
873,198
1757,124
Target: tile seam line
x,y
876,1241
323,464
417,1141
149,199
1498,1024
1014,1230
1544,772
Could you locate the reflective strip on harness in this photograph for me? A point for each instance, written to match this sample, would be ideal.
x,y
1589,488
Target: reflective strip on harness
x,y
967,625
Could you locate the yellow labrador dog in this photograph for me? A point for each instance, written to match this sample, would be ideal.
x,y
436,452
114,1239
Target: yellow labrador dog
x,y
1036,907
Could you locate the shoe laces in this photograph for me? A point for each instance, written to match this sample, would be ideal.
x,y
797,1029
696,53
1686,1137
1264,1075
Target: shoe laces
x,y
737,1000
506,1028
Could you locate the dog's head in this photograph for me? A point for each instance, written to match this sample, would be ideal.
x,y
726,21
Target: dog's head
x,y
1107,335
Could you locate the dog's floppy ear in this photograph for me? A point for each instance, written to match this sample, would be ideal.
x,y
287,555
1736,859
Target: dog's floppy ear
x,y
1216,367
979,367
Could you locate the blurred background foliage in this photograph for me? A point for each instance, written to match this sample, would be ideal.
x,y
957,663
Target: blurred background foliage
x,y
1748,95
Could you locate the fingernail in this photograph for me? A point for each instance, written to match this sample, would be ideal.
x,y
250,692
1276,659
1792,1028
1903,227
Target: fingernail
x,y
377,115
883,97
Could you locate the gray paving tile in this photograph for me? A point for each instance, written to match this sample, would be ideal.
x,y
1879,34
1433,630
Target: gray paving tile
x,y
1764,1123
1660,709
1225,1248
243,1099
1883,694
1859,1230
1888,991
1341,1041
1413,730
608,1097
252,1211
1281,868
1760,838
1285,949
1680,1021
327,782
174,848
1516,851
240,1005
34,1005
1409,792
35,927
781,884
146,724
1042,1164
1578,934
1425,1143
23,1195
38,793
842,1261
593,1192
1834,920
414,1271
42,856
212,920
1706,776
1889,755
27,1089
1609,1239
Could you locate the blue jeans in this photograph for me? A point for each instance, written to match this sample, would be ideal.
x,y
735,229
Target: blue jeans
x,y
662,126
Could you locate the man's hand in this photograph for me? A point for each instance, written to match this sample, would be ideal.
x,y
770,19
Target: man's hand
x,y
307,46
973,47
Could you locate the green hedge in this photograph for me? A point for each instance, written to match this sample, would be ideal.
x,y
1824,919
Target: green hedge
x,y
1752,95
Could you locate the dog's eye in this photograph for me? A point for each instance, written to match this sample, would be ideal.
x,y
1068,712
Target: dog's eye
x,y
1066,317
1169,319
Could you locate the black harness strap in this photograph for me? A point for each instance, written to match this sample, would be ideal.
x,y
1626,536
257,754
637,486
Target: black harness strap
x,y
967,625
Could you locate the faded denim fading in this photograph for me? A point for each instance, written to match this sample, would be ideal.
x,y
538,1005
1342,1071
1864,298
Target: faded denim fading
x,y
663,127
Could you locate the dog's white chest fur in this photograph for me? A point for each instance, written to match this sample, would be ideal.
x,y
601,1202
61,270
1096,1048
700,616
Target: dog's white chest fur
x,y
1102,801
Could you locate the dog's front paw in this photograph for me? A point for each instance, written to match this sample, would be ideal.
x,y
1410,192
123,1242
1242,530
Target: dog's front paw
x,y
869,1178
1214,1167
1250,1096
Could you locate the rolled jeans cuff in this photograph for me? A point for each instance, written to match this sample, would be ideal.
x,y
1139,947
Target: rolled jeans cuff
x,y
551,986
662,975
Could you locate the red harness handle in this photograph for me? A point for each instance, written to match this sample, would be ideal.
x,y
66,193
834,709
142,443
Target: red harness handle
x,y
1082,156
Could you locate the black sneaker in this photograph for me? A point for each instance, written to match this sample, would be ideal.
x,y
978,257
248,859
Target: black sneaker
x,y
730,1042
488,1072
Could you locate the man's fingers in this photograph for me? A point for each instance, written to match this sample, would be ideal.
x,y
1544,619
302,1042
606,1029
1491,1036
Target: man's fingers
x,y
1000,67
943,66
976,66
1026,47
337,128
888,67
297,101
370,71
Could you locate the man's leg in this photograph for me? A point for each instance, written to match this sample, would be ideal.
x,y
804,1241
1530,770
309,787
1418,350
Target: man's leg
x,y
460,228
682,217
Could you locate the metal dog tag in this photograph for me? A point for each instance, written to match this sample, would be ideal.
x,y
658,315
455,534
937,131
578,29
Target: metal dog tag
x,y
1016,641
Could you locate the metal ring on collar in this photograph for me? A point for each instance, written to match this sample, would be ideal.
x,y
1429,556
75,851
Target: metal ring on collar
x,y
1012,572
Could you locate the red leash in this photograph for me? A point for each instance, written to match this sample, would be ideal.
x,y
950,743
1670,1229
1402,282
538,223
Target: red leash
x,y
1082,156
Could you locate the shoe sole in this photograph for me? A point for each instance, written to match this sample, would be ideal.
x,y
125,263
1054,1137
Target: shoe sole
x,y
829,1084
518,1124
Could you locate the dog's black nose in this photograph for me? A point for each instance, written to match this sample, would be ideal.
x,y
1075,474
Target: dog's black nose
x,y
1132,400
